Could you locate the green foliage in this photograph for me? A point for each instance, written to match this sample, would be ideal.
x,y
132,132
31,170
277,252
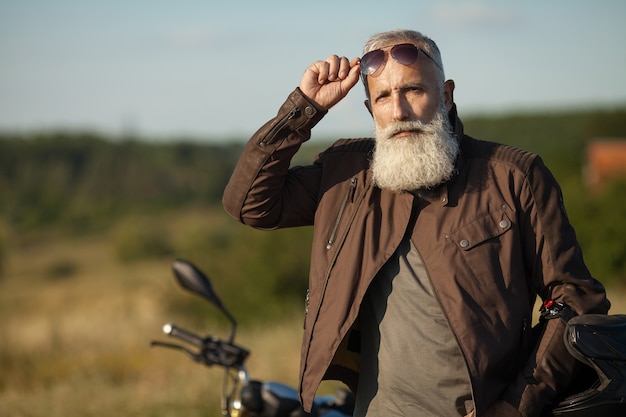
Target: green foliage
x,y
259,275
82,181
560,138
601,228
162,200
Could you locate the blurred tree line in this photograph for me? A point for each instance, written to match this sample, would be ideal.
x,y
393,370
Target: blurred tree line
x,y
83,181
139,193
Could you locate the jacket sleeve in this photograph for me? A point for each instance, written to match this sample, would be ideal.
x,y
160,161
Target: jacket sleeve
x,y
262,191
556,268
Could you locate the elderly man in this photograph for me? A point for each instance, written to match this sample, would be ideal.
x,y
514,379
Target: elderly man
x,y
429,247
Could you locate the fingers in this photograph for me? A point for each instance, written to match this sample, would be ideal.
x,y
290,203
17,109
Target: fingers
x,y
354,71
327,82
335,68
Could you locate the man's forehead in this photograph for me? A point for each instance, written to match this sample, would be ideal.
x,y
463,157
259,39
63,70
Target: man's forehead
x,y
421,71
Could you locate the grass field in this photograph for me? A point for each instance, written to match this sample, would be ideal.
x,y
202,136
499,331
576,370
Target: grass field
x,y
75,327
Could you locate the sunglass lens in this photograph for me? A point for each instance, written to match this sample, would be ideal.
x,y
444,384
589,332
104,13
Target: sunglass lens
x,y
405,53
371,61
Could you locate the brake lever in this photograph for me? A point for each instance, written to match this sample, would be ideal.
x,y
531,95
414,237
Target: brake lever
x,y
195,356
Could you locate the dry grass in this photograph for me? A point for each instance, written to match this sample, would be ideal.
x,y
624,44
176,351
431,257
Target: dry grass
x,y
75,327
76,342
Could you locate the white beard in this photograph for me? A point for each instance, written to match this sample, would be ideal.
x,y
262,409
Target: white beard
x,y
424,159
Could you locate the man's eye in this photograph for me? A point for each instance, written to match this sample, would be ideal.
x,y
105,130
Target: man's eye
x,y
382,98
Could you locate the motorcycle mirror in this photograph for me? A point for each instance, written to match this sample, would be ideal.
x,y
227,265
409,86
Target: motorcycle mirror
x,y
193,279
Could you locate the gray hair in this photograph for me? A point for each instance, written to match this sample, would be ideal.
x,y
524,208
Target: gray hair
x,y
383,39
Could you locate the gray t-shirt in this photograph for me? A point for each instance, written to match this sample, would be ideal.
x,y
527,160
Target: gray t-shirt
x,y
411,364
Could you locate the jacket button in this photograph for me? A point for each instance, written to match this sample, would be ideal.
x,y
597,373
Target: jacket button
x,y
308,110
464,243
504,224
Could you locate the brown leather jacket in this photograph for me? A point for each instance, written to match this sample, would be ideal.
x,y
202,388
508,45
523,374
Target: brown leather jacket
x,y
492,238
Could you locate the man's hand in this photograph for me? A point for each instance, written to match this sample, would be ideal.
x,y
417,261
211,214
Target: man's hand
x,y
327,82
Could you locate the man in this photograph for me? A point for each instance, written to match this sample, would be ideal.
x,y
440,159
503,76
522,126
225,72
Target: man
x,y
429,246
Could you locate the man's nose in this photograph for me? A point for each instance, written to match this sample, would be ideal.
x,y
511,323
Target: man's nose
x,y
401,109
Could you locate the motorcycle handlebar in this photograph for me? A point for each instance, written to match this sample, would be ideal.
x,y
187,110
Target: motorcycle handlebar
x,y
174,331
211,350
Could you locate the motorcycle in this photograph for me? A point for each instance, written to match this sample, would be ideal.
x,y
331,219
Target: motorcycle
x,y
241,395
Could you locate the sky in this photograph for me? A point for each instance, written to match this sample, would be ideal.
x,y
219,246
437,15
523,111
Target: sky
x,y
217,70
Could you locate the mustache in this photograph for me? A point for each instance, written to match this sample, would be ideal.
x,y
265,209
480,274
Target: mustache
x,y
414,126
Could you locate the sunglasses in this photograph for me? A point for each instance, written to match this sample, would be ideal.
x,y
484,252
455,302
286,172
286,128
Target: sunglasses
x,y
404,53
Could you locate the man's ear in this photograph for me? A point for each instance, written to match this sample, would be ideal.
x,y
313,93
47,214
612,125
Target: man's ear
x,y
368,106
448,94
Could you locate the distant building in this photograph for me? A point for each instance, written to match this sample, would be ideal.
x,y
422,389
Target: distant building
x,y
606,160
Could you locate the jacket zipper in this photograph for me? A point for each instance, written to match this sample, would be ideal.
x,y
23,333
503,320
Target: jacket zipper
x,y
349,197
336,254
269,138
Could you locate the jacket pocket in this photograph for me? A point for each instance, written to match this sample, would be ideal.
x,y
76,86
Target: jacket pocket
x,y
487,252
272,134
482,229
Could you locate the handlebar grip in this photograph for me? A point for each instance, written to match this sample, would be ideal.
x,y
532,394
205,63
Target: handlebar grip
x,y
174,331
